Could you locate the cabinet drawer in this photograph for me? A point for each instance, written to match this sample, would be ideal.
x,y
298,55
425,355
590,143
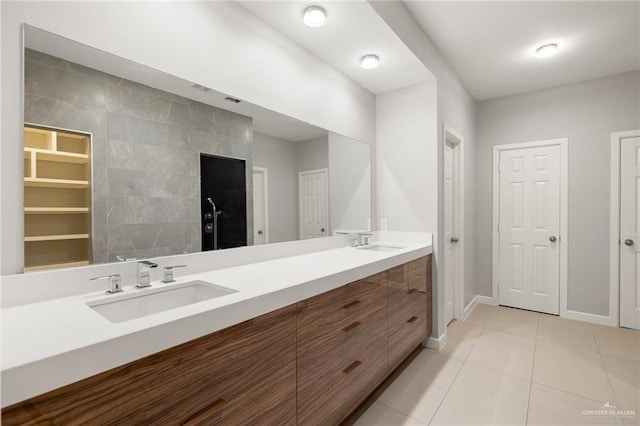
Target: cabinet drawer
x,y
322,318
273,403
327,400
417,274
405,340
364,297
329,359
412,304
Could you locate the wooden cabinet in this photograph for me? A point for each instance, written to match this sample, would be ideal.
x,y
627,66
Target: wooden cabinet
x,y
244,374
57,198
409,307
309,363
342,349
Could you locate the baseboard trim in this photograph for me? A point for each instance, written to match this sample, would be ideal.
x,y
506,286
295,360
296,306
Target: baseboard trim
x,y
569,314
469,308
437,343
592,318
486,300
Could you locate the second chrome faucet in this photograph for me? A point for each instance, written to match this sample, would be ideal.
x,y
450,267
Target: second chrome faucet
x,y
144,270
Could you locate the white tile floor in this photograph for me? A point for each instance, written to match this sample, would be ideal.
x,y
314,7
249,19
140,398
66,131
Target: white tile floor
x,y
506,366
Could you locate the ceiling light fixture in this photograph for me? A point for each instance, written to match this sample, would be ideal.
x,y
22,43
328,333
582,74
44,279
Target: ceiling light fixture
x,y
547,50
369,62
314,16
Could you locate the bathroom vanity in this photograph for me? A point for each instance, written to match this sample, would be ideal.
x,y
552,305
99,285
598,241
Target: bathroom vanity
x,y
338,329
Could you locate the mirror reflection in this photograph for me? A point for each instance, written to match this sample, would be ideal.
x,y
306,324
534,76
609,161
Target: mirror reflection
x,y
123,161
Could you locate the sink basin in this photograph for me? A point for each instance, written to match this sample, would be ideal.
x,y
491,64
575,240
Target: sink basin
x,y
157,299
381,247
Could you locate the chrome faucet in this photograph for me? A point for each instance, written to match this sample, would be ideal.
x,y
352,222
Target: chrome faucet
x,y
144,270
114,282
167,273
363,239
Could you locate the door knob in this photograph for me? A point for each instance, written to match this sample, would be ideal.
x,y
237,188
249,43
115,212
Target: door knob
x,y
628,242
454,240
259,232
553,239
321,229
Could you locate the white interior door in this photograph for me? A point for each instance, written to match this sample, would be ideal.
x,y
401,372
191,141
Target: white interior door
x,y
260,206
450,237
314,204
529,228
630,232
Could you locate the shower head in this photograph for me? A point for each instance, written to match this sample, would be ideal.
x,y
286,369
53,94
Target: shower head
x,y
210,201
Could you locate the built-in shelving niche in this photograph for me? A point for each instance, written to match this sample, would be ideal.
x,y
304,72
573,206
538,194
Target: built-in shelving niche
x,y
57,198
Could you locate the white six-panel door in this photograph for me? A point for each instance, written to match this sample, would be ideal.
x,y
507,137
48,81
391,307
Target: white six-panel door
x,y
529,228
314,204
630,232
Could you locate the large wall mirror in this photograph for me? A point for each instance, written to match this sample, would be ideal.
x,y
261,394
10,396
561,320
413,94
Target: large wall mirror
x,y
123,161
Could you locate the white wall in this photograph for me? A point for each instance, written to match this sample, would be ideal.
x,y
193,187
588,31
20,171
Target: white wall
x,y
407,151
586,113
312,154
236,54
456,108
279,158
349,183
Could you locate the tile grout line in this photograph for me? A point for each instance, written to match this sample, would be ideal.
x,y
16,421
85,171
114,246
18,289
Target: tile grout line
x,y
399,412
464,362
604,367
535,347
567,392
448,389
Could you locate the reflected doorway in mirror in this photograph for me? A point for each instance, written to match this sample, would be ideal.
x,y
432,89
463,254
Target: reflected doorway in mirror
x,y
260,206
314,204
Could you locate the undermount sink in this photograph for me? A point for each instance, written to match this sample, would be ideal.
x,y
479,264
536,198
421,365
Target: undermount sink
x,y
381,247
157,299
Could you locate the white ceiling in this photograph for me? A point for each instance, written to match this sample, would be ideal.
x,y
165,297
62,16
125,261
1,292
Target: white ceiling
x,y
353,29
264,120
490,44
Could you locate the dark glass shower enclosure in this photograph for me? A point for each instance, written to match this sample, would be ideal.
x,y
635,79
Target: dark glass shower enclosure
x,y
223,202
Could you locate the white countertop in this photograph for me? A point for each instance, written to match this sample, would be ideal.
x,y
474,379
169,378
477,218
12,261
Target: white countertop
x,y
52,343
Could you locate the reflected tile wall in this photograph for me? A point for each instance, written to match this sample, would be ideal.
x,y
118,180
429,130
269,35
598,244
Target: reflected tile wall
x,y
146,149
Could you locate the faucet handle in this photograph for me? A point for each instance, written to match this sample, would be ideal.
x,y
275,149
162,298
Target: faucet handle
x,y
167,273
114,282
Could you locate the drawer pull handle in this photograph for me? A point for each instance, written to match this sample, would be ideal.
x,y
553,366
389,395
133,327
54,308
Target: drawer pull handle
x,y
351,326
349,305
353,366
412,290
412,319
202,415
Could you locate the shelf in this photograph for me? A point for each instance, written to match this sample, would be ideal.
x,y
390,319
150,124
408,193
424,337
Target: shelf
x,y
56,210
56,237
57,156
56,183
56,265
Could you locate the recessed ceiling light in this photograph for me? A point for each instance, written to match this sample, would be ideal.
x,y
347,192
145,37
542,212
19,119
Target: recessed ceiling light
x,y
314,16
547,50
369,62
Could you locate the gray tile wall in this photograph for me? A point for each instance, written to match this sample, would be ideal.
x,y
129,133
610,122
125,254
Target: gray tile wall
x,y
146,148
